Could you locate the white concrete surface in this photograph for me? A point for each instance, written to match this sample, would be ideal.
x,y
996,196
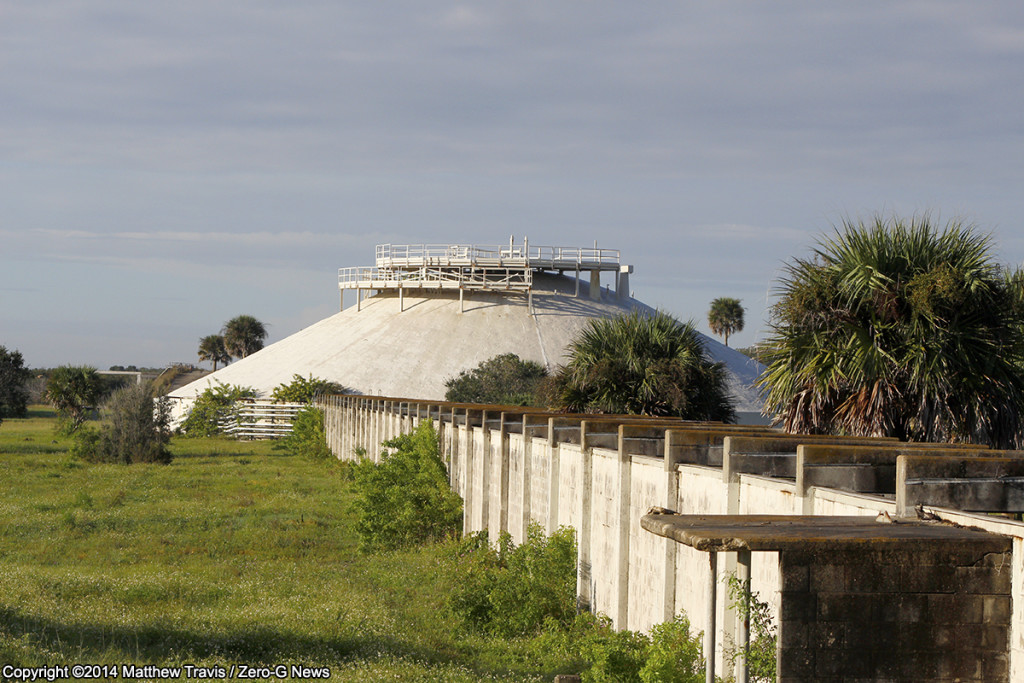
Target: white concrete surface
x,y
383,351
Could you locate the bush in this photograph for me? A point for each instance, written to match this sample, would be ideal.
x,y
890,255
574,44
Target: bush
x,y
509,590
307,437
14,377
614,656
303,390
530,590
405,499
641,364
674,655
212,406
503,380
899,328
135,431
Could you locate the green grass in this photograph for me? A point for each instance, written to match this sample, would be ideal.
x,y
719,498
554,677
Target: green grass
x,y
232,554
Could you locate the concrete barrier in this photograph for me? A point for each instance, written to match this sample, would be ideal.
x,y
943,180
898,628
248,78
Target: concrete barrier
x,y
972,484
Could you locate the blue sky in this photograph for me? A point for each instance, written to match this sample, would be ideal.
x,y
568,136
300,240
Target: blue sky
x,y
166,166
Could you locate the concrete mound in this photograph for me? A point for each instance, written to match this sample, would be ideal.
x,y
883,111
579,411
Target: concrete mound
x,y
384,351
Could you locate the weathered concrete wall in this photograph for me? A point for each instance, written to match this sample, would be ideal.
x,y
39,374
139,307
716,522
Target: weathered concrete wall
x,y
551,474
917,614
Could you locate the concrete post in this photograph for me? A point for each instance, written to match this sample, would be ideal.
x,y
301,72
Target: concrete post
x,y
595,285
622,283
554,453
621,620
709,617
485,474
743,620
671,548
584,596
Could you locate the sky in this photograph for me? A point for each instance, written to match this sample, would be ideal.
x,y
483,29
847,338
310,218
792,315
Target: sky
x,y
167,166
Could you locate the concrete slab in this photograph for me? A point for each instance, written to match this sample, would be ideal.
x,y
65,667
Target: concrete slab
x,y
718,533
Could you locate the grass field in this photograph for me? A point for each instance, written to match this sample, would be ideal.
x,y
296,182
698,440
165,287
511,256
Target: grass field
x,y
232,554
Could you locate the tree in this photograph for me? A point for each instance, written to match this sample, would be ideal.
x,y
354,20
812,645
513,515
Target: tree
x,y
13,379
725,317
643,364
506,379
136,429
74,391
211,348
896,328
243,335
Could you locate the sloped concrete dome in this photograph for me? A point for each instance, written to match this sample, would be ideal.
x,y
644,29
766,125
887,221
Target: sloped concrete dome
x,y
385,351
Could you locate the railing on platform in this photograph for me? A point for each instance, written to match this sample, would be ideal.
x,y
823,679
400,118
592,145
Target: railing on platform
x,y
471,266
404,255
434,277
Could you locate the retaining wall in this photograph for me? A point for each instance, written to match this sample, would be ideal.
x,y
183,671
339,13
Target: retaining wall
x,y
512,467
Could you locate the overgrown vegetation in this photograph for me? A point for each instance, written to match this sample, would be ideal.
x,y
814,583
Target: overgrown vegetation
x,y
405,499
505,379
307,437
899,328
643,365
235,554
763,636
304,389
211,407
514,590
135,429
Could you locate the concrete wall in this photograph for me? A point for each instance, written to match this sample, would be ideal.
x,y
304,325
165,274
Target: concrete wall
x,y
536,467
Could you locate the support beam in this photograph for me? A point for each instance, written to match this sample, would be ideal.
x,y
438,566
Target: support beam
x,y
711,588
743,622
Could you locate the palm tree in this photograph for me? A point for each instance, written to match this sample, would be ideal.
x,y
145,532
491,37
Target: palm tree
x,y
73,392
643,364
211,348
899,329
725,317
244,335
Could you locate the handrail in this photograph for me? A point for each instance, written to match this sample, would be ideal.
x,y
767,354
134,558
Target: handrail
x,y
392,254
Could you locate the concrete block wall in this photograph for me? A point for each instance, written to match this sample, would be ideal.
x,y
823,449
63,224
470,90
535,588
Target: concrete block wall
x,y
918,614
636,579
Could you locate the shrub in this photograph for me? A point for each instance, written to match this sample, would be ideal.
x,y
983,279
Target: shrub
x,y
307,437
304,390
642,364
513,590
135,430
674,655
614,656
212,406
899,328
405,499
505,380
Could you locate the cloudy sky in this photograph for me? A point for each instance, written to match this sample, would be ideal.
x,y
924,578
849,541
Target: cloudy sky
x,y
166,166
